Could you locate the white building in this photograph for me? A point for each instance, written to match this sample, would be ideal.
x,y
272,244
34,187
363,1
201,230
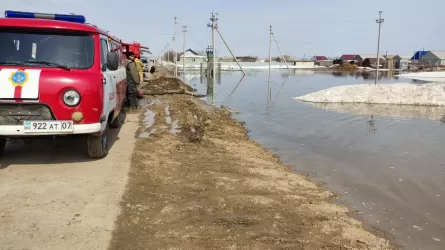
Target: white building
x,y
191,57
434,58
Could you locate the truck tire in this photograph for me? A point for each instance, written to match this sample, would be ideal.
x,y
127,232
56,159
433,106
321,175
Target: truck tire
x,y
98,145
2,145
117,123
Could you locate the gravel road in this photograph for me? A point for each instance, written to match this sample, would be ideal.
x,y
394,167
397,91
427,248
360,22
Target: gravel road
x,y
53,197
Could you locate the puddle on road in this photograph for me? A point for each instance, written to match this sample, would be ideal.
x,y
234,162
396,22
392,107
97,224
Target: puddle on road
x,y
149,119
174,125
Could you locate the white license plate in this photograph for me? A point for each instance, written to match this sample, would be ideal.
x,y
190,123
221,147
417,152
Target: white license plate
x,y
48,126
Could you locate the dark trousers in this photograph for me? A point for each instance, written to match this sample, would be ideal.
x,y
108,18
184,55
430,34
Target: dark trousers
x,y
132,99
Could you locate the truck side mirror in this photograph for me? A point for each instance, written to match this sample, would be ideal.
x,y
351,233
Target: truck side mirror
x,y
112,61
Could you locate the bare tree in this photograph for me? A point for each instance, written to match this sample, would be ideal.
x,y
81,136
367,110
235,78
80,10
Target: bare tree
x,y
169,56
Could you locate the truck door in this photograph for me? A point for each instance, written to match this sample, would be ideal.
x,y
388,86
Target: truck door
x,y
109,80
121,78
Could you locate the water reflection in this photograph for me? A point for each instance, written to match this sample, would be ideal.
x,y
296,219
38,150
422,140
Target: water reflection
x,y
365,75
371,125
434,113
211,90
234,89
298,72
270,101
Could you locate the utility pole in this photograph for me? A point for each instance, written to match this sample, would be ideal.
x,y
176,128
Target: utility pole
x,y
270,51
184,30
174,48
421,54
6,3
379,21
213,26
173,51
168,53
284,58
270,48
270,65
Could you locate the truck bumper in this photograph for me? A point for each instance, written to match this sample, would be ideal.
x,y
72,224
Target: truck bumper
x,y
17,130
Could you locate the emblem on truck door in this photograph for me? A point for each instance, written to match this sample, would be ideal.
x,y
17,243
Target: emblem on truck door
x,y
19,78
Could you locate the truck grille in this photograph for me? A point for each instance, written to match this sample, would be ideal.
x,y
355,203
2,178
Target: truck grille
x,y
15,114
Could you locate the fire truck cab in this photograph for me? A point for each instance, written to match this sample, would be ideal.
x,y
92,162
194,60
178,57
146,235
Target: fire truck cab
x,y
59,76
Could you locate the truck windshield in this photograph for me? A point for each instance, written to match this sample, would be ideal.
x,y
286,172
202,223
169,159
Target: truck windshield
x,y
46,48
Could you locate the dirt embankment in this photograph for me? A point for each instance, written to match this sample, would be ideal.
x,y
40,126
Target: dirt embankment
x,y
198,182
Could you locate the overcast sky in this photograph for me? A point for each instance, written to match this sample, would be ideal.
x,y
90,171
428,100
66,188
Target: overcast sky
x,y
302,27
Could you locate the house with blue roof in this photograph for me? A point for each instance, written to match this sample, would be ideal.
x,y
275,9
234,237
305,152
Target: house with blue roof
x,y
434,58
418,55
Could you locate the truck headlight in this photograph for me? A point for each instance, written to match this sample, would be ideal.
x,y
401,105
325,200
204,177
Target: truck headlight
x,y
71,98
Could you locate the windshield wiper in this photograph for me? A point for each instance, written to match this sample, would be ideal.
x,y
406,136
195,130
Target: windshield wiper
x,y
10,63
50,64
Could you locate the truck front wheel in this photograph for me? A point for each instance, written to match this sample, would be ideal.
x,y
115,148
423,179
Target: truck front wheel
x,y
98,145
2,145
118,121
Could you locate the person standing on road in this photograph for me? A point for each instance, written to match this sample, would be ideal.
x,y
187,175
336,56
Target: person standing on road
x,y
140,67
133,81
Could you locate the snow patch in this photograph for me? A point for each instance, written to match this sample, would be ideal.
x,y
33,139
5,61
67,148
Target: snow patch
x,y
146,135
168,118
425,76
399,93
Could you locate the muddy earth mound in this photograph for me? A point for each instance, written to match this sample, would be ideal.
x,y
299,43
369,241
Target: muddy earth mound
x,y
166,83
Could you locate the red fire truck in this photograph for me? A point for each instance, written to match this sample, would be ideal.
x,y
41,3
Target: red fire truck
x,y
59,76
134,47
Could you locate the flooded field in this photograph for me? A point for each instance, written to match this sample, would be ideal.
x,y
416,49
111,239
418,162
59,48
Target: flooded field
x,y
384,161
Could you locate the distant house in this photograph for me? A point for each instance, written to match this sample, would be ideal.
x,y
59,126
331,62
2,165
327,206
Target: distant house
x,y
361,57
372,62
225,59
191,57
319,58
288,58
322,61
390,61
389,56
246,58
401,61
348,58
434,58
400,57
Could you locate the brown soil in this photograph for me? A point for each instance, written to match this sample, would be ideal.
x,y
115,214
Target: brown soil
x,y
205,185
166,83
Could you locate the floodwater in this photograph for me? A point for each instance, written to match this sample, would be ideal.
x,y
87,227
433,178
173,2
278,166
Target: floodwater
x,y
386,162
